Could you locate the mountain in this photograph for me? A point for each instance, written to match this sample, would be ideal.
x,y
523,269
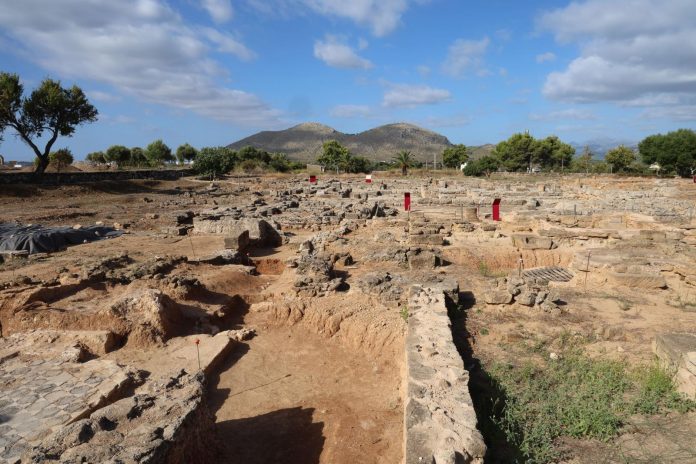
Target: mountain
x,y
304,141
600,146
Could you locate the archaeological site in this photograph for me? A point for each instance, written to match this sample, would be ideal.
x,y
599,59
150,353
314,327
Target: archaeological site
x,y
270,319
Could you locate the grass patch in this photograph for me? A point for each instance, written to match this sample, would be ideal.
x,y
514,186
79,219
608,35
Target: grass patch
x,y
574,396
486,271
404,313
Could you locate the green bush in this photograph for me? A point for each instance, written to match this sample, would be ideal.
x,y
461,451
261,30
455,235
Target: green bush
x,y
483,166
213,162
575,396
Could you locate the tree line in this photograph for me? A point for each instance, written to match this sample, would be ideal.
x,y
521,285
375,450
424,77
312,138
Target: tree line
x,y
668,154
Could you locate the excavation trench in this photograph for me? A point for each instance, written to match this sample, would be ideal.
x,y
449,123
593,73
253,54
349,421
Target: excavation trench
x,y
317,384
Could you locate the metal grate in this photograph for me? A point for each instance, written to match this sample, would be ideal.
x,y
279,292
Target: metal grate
x,y
552,274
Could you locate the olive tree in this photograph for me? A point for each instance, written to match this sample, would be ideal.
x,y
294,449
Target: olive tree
x,y
50,110
620,158
185,152
158,153
61,158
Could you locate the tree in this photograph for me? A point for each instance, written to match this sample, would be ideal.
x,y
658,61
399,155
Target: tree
x,y
61,158
674,151
552,152
214,161
404,160
359,164
620,158
185,152
96,157
50,109
455,156
482,166
158,153
518,152
254,154
583,163
333,153
118,154
137,157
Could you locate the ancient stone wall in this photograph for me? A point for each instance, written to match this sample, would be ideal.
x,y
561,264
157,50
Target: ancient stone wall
x,y
439,416
54,178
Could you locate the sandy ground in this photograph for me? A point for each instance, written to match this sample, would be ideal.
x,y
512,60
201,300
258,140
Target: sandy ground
x,y
294,397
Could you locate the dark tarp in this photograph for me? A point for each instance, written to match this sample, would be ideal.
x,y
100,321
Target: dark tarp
x,y
39,239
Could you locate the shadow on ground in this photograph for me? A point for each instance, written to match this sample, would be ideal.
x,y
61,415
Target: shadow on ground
x,y
486,394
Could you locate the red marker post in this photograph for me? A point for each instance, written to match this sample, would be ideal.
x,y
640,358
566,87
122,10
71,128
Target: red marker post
x,y
368,178
312,179
496,209
407,201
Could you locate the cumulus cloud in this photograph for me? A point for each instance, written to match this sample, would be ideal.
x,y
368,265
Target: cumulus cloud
x,y
350,111
219,10
466,55
544,57
570,113
337,54
139,47
634,52
409,96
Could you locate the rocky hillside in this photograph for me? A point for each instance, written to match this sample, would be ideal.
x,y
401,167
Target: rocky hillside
x,y
304,141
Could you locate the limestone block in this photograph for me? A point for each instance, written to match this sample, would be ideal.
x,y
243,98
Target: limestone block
x,y
645,281
532,242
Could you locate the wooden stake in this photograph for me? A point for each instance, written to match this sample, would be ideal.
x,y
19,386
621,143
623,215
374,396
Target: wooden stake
x,y
192,250
587,268
198,353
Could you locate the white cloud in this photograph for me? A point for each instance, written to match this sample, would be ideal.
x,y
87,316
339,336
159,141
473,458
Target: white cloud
x,y
219,10
635,52
350,111
339,55
228,44
382,16
466,55
139,47
544,57
676,113
570,113
409,96
424,70
98,95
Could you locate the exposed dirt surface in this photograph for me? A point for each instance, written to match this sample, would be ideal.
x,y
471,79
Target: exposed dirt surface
x,y
292,396
292,299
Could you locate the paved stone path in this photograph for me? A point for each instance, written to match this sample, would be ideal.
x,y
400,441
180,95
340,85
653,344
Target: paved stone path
x,y
38,396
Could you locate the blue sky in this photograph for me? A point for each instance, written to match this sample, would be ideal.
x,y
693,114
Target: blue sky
x,y
209,72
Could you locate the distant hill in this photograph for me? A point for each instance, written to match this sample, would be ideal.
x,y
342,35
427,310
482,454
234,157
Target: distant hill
x,y
304,141
600,147
479,152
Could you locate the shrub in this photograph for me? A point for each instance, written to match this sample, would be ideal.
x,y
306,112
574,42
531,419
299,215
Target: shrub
x,y
158,153
575,396
214,161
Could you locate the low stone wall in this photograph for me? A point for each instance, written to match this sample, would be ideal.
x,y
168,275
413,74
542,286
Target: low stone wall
x,y
439,416
54,178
